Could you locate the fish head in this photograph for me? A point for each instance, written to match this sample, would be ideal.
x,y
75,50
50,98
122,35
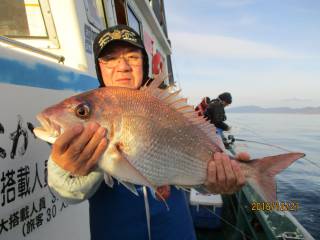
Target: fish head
x,y
94,106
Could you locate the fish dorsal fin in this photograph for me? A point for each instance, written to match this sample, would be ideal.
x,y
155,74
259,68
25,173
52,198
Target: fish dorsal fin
x,y
179,103
115,164
172,97
153,84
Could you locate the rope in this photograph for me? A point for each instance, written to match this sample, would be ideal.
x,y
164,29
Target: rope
x,y
145,195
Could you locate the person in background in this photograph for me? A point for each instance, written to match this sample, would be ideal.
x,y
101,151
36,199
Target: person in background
x,y
116,213
214,110
202,106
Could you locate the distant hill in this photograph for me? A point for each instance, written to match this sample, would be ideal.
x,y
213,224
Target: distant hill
x,y
256,109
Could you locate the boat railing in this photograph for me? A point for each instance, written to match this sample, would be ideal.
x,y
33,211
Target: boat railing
x,y
27,47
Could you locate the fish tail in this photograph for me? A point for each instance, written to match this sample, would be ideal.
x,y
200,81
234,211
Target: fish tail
x,y
263,181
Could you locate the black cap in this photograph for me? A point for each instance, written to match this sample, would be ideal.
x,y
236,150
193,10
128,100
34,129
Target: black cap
x,y
119,33
226,97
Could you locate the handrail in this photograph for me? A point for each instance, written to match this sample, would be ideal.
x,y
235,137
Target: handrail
x,y
15,43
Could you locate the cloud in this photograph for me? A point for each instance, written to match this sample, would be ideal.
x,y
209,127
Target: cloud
x,y
224,47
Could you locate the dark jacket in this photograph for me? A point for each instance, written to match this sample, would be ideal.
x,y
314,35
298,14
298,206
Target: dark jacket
x,y
116,213
216,114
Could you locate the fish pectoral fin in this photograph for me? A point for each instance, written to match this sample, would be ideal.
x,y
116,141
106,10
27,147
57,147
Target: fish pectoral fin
x,y
130,186
108,180
115,164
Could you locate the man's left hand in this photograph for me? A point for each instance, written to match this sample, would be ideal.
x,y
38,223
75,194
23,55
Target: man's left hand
x,y
225,175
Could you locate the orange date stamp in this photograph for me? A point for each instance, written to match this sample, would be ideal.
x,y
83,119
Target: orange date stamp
x,y
275,206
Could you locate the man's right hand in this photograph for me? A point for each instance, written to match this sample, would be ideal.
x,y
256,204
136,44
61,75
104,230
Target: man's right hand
x,y
79,148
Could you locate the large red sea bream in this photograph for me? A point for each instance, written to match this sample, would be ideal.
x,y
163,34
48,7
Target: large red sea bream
x,y
155,138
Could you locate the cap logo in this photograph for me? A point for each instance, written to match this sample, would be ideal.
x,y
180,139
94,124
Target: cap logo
x,y
117,35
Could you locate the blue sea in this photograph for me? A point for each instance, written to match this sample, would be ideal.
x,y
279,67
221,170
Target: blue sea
x,y
295,132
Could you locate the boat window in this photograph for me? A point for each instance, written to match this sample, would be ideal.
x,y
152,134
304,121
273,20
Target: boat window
x,y
95,13
133,20
28,21
158,9
22,19
120,7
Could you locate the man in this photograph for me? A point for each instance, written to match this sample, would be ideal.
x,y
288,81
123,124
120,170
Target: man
x,y
116,213
215,110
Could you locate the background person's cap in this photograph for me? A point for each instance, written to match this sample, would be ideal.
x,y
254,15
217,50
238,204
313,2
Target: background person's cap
x,y
226,97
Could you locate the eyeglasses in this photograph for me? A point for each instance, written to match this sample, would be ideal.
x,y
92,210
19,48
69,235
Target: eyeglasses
x,y
133,59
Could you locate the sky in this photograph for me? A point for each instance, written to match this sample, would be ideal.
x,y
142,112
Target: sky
x,y
265,53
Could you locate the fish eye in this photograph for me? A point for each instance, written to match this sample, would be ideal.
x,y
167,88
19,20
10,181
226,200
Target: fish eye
x,y
83,111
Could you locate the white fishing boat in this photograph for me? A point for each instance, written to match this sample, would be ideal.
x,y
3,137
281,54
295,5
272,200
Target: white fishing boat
x,y
46,55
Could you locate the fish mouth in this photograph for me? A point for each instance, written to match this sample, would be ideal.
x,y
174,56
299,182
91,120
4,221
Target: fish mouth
x,y
49,130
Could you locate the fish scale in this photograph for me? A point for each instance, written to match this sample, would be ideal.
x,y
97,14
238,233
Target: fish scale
x,y
159,153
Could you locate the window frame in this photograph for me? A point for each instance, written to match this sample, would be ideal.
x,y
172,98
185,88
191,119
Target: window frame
x,y
44,42
130,8
92,19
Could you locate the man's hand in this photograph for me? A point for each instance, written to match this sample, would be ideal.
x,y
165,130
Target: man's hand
x,y
78,149
224,175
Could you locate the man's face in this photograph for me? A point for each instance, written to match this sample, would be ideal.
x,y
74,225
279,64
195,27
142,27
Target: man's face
x,y
122,66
